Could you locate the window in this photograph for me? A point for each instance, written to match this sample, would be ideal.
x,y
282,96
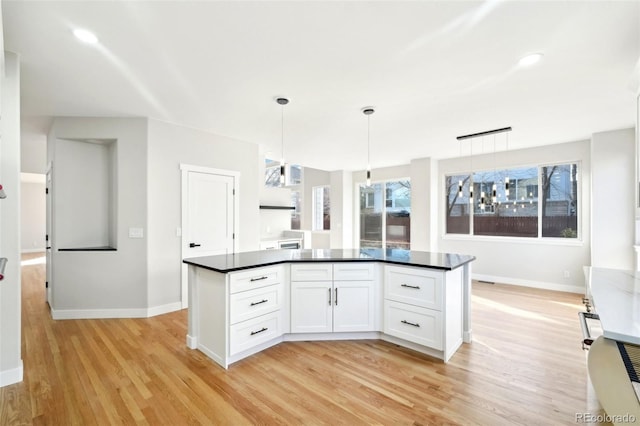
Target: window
x,y
521,213
293,173
559,201
295,214
385,222
321,208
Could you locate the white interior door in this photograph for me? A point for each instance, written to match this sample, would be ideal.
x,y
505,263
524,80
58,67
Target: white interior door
x,y
209,215
49,237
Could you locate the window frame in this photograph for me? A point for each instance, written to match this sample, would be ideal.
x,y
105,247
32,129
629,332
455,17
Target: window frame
x,y
356,209
314,212
539,239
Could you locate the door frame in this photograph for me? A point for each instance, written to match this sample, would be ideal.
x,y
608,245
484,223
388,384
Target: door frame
x,y
48,184
185,170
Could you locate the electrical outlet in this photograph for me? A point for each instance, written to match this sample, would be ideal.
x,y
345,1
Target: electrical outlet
x,y
567,274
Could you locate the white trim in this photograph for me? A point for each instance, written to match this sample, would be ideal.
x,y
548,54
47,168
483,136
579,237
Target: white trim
x,y
62,314
34,250
164,309
14,375
530,283
575,242
185,169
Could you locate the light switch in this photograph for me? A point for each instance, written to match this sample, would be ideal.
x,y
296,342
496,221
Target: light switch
x,y
136,233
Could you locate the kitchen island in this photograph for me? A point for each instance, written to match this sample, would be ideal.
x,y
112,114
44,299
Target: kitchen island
x,y
243,303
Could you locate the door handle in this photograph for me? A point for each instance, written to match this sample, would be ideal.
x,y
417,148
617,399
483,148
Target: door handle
x,y
336,296
192,245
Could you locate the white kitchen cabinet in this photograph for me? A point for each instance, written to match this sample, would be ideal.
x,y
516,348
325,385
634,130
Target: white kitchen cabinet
x,y
322,305
311,307
353,306
424,306
239,306
236,314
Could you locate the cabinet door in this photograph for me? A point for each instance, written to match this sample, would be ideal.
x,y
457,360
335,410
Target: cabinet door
x,y
353,306
311,307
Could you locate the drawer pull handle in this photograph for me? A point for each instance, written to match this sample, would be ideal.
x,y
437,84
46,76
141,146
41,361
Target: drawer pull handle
x,y
257,303
258,279
259,331
417,287
410,323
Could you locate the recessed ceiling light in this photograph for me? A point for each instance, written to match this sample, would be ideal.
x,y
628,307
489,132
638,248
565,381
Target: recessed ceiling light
x,y
530,59
85,36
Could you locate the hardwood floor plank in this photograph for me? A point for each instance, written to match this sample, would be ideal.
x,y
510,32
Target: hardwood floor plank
x,y
524,367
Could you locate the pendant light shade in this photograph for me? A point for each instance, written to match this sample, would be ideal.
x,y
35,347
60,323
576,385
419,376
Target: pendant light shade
x,y
368,111
282,102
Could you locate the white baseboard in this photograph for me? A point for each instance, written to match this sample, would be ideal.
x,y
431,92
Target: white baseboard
x,y
529,283
9,377
62,314
164,309
33,250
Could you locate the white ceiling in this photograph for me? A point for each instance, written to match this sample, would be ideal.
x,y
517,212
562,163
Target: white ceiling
x,y
433,70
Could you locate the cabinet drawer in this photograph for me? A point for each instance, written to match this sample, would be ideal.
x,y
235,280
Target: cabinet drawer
x,y
245,335
414,286
312,272
253,303
415,324
254,278
358,271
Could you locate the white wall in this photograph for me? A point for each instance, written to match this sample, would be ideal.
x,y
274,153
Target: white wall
x,y
612,217
524,261
424,204
274,222
33,144
10,320
83,194
103,284
170,145
341,198
311,179
32,215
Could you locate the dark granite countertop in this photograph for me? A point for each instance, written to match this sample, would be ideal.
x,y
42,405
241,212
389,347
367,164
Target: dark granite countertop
x,y
253,259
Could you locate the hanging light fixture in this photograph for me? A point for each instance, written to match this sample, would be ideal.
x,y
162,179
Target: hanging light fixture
x,y
494,187
368,111
282,102
506,178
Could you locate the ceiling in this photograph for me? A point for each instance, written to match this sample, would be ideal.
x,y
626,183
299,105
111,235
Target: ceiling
x,y
433,70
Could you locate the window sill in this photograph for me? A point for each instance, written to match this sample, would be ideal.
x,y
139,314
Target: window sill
x,y
570,242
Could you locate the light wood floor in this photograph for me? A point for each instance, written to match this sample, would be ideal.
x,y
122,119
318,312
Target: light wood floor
x,y
525,366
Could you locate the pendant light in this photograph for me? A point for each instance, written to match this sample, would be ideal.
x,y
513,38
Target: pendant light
x,y
506,178
494,188
368,111
282,102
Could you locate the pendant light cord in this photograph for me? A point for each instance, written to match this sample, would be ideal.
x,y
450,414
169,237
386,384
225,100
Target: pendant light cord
x,y
282,131
369,141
